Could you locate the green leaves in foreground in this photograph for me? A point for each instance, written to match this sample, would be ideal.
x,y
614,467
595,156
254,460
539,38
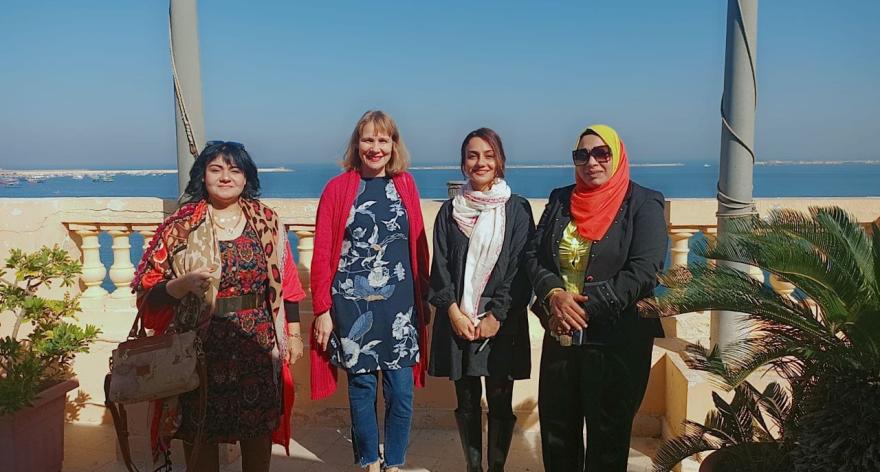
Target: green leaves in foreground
x,y
30,364
829,329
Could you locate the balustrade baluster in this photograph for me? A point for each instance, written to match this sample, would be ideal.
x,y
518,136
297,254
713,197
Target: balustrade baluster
x,y
148,234
122,270
306,248
692,327
93,271
680,239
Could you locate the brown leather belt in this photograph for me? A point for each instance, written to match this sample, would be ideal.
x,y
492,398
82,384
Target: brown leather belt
x,y
239,303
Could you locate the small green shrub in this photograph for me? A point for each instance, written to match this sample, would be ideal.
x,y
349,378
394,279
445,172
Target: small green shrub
x,y
30,364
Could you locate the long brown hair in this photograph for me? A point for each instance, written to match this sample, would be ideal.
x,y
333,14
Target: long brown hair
x,y
382,122
494,142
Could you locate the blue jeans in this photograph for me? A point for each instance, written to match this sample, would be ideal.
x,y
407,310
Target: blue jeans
x,y
397,387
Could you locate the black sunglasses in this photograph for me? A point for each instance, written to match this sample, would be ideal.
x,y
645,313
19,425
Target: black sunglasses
x,y
581,157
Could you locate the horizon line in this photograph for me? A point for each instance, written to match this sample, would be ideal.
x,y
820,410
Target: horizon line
x,y
57,172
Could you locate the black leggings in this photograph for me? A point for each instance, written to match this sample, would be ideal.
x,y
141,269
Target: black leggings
x,y
499,394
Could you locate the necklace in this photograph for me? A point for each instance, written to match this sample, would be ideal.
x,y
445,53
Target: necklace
x,y
219,222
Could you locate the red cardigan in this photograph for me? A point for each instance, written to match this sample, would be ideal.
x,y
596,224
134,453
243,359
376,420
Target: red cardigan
x,y
333,209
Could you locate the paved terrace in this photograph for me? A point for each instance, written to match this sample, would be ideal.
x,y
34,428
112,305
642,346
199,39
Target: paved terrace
x,y
91,448
674,392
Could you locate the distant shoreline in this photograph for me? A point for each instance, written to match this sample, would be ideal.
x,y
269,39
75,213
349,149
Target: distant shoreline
x,y
79,173
51,173
814,163
544,166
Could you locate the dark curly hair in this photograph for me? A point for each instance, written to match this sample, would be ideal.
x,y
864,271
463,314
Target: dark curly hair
x,y
233,154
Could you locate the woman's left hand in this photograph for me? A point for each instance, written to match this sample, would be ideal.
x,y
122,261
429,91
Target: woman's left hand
x,y
488,327
295,346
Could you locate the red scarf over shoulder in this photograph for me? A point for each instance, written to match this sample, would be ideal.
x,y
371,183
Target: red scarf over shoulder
x,y
336,202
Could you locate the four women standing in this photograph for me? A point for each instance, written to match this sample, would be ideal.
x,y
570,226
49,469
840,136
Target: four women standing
x,y
221,265
481,293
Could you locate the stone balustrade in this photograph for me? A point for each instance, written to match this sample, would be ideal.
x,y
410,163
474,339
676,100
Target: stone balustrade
x,y
686,219
80,224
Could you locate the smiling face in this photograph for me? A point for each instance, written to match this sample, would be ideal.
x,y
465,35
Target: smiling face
x,y
480,164
223,181
374,148
593,173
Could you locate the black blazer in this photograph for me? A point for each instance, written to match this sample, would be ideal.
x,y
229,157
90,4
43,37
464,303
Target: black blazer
x,y
509,352
623,266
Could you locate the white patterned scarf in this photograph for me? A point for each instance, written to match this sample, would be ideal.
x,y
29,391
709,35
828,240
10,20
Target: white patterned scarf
x,y
481,217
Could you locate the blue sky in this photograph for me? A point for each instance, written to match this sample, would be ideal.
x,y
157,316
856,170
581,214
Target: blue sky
x,y
87,83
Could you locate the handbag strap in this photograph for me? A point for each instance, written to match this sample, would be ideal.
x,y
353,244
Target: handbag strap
x,y
120,422
137,326
120,417
203,409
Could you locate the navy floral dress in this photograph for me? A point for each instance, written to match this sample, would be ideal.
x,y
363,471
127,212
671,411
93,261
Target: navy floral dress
x,y
373,312
244,396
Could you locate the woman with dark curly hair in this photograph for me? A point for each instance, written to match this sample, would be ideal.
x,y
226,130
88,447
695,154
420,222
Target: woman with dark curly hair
x,y
221,265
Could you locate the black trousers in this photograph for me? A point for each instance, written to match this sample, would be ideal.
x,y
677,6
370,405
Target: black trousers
x,y
600,386
499,396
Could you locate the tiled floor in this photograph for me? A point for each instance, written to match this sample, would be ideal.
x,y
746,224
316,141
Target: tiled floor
x,y
93,449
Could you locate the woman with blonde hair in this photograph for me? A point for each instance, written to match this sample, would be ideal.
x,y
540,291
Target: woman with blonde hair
x,y
369,281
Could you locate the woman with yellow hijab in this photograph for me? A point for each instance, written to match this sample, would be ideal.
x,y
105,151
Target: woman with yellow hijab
x,y
597,251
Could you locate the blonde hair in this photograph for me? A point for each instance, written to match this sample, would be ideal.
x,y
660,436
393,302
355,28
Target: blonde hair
x,y
383,123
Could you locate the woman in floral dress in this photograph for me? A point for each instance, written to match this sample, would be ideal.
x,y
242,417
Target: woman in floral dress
x,y
369,281
221,265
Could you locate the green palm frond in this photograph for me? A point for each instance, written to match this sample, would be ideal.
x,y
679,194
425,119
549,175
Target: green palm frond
x,y
728,425
702,287
737,416
834,265
767,403
795,261
828,256
697,438
875,245
777,404
844,232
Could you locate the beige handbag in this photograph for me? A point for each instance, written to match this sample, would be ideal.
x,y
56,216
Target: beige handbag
x,y
155,367
146,368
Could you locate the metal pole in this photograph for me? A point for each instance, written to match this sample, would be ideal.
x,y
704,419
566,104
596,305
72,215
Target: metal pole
x,y
737,143
185,57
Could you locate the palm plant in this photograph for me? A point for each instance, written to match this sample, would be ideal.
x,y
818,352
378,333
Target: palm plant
x,y
826,335
752,427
